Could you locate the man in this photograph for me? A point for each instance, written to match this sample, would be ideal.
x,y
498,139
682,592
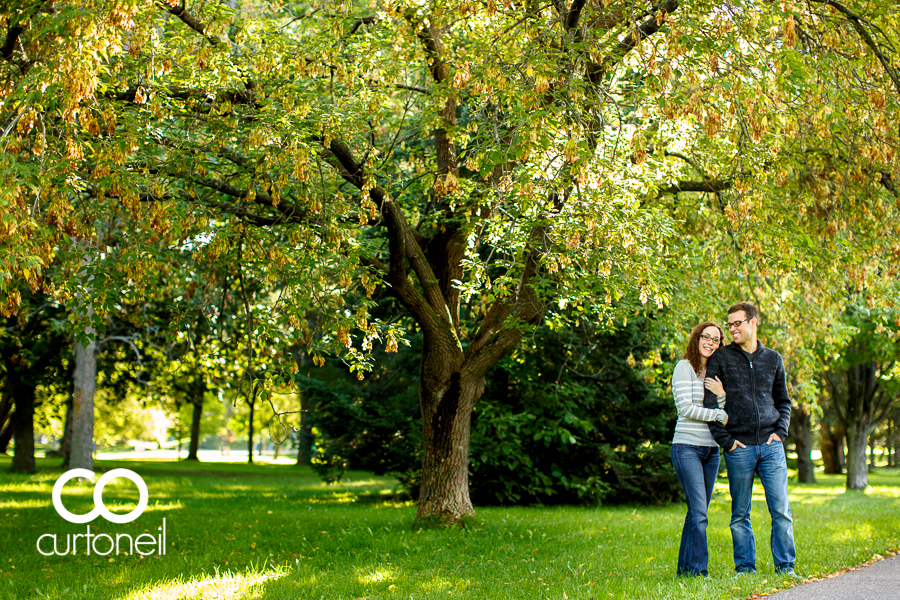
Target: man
x,y
759,410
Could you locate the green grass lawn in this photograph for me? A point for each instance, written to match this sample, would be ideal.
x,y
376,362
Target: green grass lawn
x,y
277,532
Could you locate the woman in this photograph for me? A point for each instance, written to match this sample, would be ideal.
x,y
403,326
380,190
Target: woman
x,y
695,454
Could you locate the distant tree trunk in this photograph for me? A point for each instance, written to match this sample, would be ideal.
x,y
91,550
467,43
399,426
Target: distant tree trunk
x,y
196,417
65,445
85,379
872,442
857,469
305,436
250,424
6,434
22,424
891,444
831,446
842,455
801,433
6,417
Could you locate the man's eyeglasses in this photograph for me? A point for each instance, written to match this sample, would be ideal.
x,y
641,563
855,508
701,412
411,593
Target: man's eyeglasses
x,y
708,338
736,324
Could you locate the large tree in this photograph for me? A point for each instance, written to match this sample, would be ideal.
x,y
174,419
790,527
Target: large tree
x,y
483,163
862,378
31,349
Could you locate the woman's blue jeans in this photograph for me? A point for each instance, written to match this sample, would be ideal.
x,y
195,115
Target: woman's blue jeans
x,y
697,467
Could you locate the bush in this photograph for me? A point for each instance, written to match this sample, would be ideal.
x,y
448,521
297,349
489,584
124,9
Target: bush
x,y
374,425
544,431
550,434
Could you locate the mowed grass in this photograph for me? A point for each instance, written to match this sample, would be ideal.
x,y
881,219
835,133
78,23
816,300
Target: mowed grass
x,y
277,532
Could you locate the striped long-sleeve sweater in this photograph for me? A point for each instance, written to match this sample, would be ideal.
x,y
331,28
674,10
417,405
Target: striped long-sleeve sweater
x,y
688,390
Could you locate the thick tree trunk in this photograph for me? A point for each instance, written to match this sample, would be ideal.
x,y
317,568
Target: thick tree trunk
x,y
801,433
447,397
23,429
857,469
81,454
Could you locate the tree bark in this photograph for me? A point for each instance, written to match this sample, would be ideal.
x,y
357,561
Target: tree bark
x,y
23,425
81,454
801,433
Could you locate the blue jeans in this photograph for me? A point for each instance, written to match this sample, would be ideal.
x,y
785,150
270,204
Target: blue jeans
x,y
767,461
697,467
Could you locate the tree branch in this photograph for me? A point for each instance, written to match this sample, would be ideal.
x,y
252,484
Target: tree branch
x,y
189,20
651,25
712,185
406,249
359,21
574,14
856,21
12,37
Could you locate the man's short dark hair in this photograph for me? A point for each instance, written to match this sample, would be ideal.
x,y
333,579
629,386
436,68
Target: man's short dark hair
x,y
749,310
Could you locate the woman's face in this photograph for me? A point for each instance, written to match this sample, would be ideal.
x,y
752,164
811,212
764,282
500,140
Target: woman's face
x,y
709,341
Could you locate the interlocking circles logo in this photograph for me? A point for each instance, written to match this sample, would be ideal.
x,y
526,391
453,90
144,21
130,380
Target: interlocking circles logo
x,y
102,544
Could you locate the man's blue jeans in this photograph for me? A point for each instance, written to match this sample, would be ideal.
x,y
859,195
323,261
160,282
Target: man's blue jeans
x,y
697,467
767,461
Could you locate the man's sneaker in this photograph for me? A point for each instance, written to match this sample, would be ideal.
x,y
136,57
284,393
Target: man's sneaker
x,y
788,573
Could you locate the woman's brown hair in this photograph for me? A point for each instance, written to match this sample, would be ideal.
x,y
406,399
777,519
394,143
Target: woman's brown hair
x,y
692,352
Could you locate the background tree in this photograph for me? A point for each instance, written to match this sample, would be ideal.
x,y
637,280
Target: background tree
x,y
863,382
31,346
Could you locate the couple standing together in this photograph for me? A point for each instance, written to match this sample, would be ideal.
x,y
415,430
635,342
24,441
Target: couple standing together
x,y
735,397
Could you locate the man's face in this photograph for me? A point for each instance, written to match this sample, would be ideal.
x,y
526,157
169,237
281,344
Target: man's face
x,y
744,328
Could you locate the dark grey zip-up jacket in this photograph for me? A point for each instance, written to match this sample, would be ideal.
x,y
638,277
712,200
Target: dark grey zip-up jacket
x,y
757,400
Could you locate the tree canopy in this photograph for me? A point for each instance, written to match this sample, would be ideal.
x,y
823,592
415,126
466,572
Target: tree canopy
x,y
483,163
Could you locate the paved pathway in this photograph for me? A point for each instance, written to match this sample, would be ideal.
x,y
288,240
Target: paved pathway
x,y
879,581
